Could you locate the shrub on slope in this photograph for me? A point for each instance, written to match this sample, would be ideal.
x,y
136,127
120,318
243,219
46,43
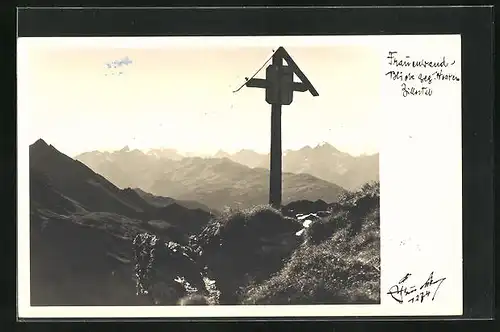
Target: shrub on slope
x,y
338,261
243,246
165,271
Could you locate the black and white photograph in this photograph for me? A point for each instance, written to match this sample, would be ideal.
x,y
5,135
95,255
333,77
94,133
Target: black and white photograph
x,y
156,180
247,173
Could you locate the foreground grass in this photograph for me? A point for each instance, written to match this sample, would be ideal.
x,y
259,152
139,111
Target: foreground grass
x,y
246,246
253,256
339,261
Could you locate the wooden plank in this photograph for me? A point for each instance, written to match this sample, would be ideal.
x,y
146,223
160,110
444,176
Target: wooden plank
x,y
284,54
301,87
257,83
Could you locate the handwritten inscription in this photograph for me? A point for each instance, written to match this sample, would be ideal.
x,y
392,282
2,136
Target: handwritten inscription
x,y
407,292
116,64
417,76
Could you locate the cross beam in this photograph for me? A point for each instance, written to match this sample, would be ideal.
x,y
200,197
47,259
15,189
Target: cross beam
x,y
261,83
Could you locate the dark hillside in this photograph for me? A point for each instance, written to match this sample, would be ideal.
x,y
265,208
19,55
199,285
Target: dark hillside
x,y
81,233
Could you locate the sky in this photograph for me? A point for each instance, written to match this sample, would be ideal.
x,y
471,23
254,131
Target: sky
x,y
180,95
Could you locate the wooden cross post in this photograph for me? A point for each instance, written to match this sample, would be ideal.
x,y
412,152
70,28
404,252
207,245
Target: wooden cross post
x,y
279,87
275,178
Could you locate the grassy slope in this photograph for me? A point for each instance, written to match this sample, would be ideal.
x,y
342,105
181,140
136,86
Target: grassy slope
x,y
242,245
336,264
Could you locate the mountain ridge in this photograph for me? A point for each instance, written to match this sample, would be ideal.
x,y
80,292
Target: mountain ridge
x,y
214,182
90,189
322,161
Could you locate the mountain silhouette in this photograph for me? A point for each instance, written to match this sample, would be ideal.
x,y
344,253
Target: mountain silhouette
x,y
125,168
214,182
249,158
81,232
162,201
221,154
154,173
166,153
95,193
323,161
222,182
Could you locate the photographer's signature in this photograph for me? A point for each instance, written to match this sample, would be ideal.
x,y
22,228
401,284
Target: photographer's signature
x,y
403,291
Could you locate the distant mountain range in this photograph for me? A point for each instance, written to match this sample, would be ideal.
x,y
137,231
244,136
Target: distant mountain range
x,y
82,227
323,161
215,182
220,182
246,157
